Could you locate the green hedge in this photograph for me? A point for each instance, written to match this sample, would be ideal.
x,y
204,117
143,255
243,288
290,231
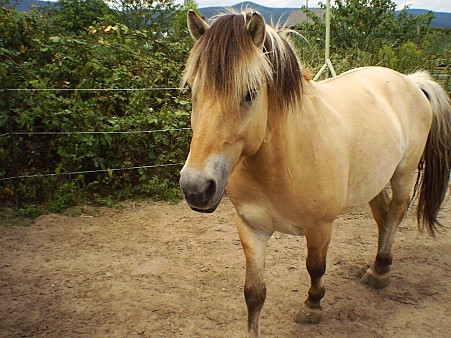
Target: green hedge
x,y
109,55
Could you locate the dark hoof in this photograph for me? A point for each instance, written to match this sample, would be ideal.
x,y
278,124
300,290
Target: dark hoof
x,y
376,282
308,316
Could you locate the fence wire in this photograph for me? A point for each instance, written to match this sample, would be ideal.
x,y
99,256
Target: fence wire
x,y
89,89
31,133
91,171
97,170
91,132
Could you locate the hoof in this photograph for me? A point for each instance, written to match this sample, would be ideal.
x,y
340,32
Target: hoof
x,y
308,316
376,282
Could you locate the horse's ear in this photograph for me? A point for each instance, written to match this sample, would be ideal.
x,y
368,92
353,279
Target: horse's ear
x,y
257,28
196,25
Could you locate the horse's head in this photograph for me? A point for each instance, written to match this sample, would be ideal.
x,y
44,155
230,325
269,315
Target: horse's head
x,y
234,71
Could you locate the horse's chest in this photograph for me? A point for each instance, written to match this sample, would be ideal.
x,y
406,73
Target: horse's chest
x,y
268,218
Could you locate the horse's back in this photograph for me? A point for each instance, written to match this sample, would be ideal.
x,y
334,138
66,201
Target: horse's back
x,y
387,119
379,87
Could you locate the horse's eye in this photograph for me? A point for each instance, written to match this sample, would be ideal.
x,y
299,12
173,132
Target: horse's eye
x,y
249,98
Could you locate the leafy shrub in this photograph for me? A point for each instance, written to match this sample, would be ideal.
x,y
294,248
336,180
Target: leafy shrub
x,y
107,54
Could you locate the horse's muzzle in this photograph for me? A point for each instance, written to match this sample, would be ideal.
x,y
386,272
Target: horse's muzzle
x,y
206,211
203,189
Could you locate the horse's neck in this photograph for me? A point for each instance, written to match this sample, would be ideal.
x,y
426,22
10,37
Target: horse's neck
x,y
291,136
281,132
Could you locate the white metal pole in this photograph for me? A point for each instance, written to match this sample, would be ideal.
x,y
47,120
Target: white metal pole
x,y
327,53
327,62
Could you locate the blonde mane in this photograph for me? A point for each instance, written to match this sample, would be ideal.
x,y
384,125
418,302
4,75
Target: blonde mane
x,y
226,63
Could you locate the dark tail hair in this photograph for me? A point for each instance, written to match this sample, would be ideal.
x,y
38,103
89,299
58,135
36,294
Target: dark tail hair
x,y
434,167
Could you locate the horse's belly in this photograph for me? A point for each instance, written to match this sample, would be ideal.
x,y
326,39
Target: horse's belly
x,y
373,161
361,192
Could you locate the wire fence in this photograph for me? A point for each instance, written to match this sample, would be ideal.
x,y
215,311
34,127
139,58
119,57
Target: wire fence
x,y
97,170
90,89
31,133
91,171
93,132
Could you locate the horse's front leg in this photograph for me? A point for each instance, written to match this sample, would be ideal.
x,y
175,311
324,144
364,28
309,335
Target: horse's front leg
x,y
254,243
318,239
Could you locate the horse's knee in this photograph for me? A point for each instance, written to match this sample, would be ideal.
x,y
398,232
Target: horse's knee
x,y
255,296
316,270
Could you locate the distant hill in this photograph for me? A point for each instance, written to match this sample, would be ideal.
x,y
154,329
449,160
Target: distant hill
x,y
441,20
24,5
269,13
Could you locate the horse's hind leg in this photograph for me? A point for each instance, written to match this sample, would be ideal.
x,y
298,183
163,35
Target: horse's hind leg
x,y
388,215
378,275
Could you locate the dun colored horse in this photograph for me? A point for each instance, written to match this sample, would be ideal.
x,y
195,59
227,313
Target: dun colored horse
x,y
294,153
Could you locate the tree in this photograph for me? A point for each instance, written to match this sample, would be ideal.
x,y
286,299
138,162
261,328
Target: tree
x,y
368,32
75,16
146,15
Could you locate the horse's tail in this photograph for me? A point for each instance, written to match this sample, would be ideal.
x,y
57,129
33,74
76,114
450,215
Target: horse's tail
x,y
434,167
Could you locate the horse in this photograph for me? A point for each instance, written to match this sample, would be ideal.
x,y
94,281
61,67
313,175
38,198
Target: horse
x,y
294,154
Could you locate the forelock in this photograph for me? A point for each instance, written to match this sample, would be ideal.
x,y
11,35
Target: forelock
x,y
226,63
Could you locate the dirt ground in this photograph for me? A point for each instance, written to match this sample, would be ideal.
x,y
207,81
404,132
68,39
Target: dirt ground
x,y
160,270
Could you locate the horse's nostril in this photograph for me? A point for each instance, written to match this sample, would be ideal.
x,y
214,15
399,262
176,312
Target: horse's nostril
x,y
203,189
199,193
210,190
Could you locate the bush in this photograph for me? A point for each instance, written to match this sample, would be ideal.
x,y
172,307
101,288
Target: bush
x,y
107,54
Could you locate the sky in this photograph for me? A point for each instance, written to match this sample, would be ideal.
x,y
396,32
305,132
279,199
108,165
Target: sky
x,y
435,5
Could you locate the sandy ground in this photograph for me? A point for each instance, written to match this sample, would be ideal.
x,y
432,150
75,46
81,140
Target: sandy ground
x,y
160,270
